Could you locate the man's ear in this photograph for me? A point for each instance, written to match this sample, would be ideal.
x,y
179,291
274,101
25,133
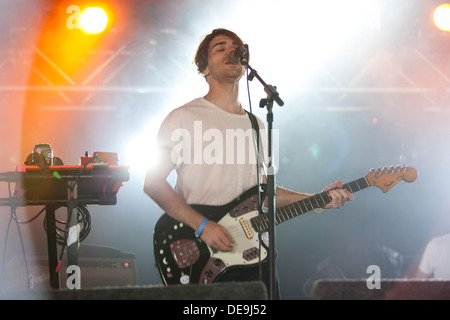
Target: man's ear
x,y
205,72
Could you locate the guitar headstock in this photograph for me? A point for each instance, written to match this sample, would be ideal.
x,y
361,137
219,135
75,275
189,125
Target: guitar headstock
x,y
385,178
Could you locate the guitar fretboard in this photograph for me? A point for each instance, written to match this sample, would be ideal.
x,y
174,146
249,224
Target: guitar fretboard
x,y
295,209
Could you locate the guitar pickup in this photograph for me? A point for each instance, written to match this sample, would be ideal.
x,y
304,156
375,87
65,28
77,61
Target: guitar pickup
x,y
248,232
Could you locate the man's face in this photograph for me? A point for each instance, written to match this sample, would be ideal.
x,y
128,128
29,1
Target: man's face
x,y
219,67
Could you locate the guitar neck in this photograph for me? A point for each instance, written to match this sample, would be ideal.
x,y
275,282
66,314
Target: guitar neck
x,y
295,209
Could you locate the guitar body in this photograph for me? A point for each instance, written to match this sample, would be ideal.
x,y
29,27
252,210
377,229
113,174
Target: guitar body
x,y
183,258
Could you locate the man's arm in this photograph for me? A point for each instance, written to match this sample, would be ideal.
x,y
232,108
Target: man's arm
x,y
157,187
338,196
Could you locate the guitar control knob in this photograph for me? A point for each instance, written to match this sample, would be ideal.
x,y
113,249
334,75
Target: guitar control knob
x,y
217,262
209,274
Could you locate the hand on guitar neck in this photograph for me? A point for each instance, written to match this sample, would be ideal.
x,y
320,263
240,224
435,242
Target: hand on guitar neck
x,y
338,195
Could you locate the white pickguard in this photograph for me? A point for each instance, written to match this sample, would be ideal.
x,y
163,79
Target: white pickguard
x,y
241,241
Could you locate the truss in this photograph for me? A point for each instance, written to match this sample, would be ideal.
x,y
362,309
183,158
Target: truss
x,y
407,73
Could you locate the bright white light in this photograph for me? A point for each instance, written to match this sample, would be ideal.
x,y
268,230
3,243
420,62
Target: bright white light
x,y
290,40
93,20
441,17
141,150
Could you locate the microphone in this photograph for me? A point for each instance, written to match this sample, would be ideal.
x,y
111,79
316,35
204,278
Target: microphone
x,y
239,55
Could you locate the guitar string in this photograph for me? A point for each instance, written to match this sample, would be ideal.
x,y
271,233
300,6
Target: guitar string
x,y
237,230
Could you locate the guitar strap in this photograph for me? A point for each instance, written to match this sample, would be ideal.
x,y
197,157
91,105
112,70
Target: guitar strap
x,y
255,126
259,149
259,161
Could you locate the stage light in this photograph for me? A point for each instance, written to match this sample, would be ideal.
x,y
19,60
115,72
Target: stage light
x,y
93,20
141,149
441,17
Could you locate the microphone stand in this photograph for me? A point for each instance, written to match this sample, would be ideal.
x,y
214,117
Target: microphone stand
x,y
272,95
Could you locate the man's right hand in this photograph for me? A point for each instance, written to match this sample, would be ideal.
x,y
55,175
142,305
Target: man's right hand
x,y
217,236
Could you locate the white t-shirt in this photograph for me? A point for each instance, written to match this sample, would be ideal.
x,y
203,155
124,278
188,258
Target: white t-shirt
x,y
436,258
213,152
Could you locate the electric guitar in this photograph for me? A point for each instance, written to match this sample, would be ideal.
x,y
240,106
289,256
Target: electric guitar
x,y
182,258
